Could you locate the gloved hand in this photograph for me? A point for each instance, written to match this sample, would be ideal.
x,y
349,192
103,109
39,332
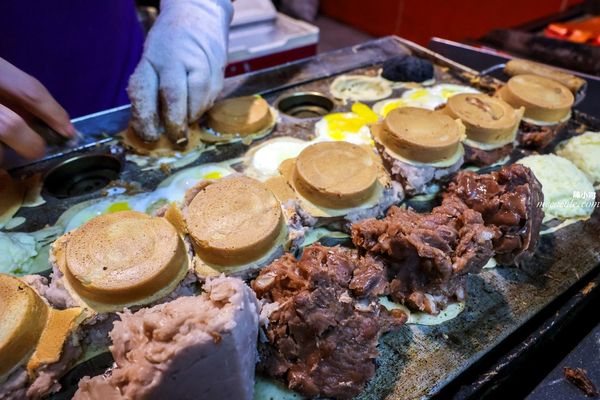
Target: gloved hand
x,y
23,99
181,70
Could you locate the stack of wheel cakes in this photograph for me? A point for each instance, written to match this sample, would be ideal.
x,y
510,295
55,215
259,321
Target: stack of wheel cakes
x,y
179,297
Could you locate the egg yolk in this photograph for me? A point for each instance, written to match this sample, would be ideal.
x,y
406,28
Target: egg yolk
x,y
418,94
447,93
213,175
340,124
365,112
391,106
116,207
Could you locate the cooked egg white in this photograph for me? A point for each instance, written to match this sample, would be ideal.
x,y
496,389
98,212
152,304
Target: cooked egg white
x,y
546,123
567,191
383,107
492,263
268,389
170,190
178,160
349,127
262,161
419,318
447,90
422,97
316,234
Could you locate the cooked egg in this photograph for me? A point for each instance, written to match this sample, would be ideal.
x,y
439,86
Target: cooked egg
x,y
419,318
171,189
447,90
270,389
179,160
539,122
349,127
383,107
423,98
263,161
420,97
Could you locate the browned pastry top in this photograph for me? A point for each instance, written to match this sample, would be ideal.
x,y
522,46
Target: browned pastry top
x,y
123,257
520,67
335,174
544,99
23,315
234,221
420,135
240,115
487,119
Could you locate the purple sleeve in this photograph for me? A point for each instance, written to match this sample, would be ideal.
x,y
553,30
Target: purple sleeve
x,y
83,51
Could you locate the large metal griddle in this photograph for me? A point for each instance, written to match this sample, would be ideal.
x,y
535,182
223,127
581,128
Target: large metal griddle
x,y
416,361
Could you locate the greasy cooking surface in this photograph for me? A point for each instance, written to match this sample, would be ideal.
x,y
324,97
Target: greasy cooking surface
x,y
420,359
415,361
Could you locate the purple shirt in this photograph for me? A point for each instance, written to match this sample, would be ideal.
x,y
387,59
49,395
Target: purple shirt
x,y
83,51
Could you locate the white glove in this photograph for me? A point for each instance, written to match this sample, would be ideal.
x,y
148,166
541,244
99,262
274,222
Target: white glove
x,y
183,65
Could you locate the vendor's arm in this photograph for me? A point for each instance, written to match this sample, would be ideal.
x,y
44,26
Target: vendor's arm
x,y
23,98
182,68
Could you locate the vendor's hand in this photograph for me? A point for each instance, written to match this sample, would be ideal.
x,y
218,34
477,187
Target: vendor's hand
x,y
181,71
23,98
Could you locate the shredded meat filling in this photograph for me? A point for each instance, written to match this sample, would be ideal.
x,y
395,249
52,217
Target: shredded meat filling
x,y
428,255
323,333
415,179
509,201
482,158
538,137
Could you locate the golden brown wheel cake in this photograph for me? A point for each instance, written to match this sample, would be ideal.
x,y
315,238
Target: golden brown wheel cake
x,y
522,67
336,183
488,120
543,99
247,117
121,259
419,147
36,341
336,174
23,316
491,126
547,106
236,225
421,135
